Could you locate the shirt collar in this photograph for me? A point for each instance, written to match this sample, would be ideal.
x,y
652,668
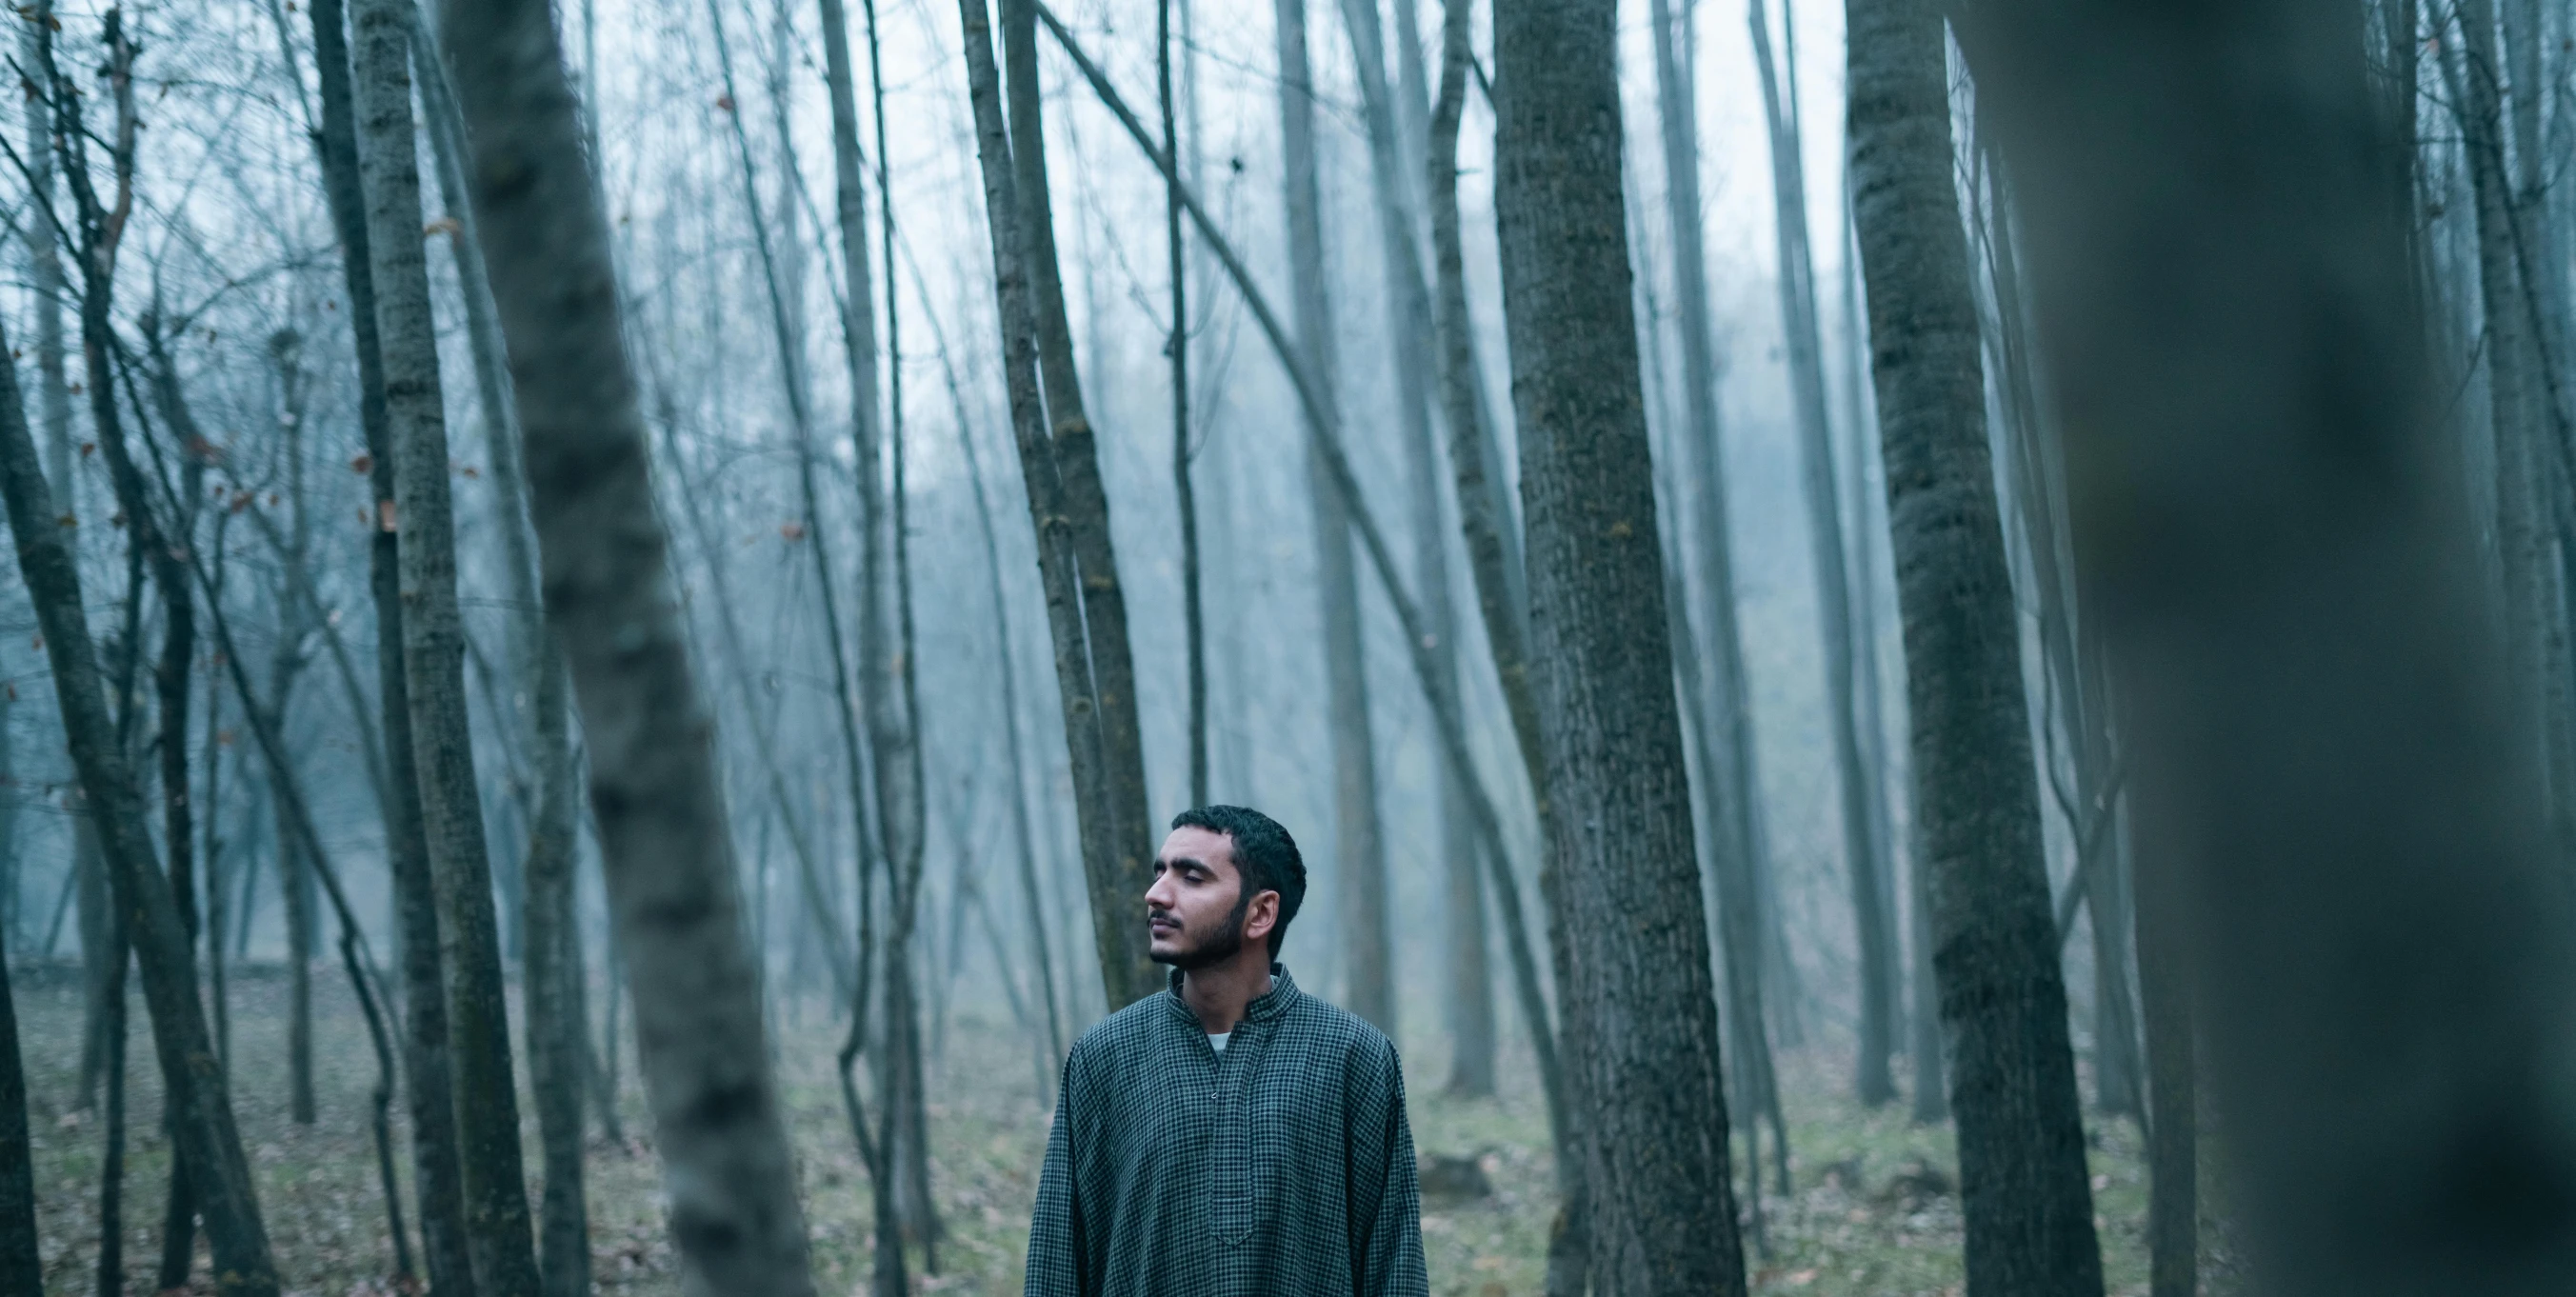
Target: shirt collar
x,y
1264,1007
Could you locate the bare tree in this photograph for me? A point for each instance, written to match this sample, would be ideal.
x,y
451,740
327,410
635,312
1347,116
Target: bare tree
x,y
1862,801
609,601
1359,839
1624,892
192,1082
2023,1185
1086,605
433,642
1731,770
429,1088
1469,984
21,1260
2314,709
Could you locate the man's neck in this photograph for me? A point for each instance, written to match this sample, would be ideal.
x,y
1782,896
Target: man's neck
x,y
1219,992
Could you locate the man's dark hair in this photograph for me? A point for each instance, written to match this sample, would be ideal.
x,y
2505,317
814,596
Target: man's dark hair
x,y
1265,857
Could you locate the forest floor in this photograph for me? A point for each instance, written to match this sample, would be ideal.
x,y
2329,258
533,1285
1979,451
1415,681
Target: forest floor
x,y
1874,1212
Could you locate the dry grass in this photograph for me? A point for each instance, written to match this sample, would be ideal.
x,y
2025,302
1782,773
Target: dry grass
x,y
1856,1226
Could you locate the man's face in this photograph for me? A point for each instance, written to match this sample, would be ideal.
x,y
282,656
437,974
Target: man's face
x,y
1195,908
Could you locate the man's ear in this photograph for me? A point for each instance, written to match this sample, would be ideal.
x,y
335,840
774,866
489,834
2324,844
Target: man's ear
x,y
1260,917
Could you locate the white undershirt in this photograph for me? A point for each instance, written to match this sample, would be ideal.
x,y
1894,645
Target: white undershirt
x,y
1217,1039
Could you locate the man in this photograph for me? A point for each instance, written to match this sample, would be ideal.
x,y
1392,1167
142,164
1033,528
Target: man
x,y
1232,1137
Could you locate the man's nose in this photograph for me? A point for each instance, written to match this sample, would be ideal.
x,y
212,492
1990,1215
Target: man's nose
x,y
1160,894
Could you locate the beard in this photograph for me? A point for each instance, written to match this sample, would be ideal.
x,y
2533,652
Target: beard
x,y
1219,946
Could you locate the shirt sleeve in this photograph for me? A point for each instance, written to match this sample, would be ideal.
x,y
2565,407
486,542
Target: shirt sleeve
x,y
1055,1230
1386,1195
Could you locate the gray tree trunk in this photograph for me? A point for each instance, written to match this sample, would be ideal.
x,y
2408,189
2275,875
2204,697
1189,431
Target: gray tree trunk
x,y
1865,848
1623,882
551,971
22,1268
1725,709
610,604
2022,1175
1095,670
2077,712
1468,988
2529,445
2173,1088
1359,841
192,1082
433,642
428,1086
2277,683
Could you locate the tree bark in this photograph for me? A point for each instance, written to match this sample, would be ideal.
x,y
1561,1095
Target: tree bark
x,y
1732,772
1865,848
551,970
1024,841
1359,853
429,1085
2277,684
610,602
2023,1180
1622,881
2173,1102
21,1260
192,1082
1468,986
433,642
1086,605
2528,456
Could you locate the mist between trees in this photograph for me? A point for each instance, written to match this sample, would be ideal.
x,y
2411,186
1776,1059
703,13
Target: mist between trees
x,y
1848,603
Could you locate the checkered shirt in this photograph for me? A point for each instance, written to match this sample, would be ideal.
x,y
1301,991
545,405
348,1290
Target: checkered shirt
x,y
1281,1167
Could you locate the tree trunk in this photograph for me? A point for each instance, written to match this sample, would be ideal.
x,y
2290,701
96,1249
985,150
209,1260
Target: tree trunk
x,y
551,966
171,677
433,642
1086,605
1732,773
2278,684
1622,881
295,888
1177,346
429,1086
109,1275
1359,852
22,1267
1005,652
1469,985
2528,451
654,790
2027,1204
191,1080
1865,849
2173,1116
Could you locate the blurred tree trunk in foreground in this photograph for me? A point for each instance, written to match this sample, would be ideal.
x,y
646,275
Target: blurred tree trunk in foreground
x,y
2273,532
612,606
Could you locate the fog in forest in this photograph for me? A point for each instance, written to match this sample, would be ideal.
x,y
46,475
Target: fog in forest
x,y
1912,649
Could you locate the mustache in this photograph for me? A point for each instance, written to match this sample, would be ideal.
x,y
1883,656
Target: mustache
x,y
1173,917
